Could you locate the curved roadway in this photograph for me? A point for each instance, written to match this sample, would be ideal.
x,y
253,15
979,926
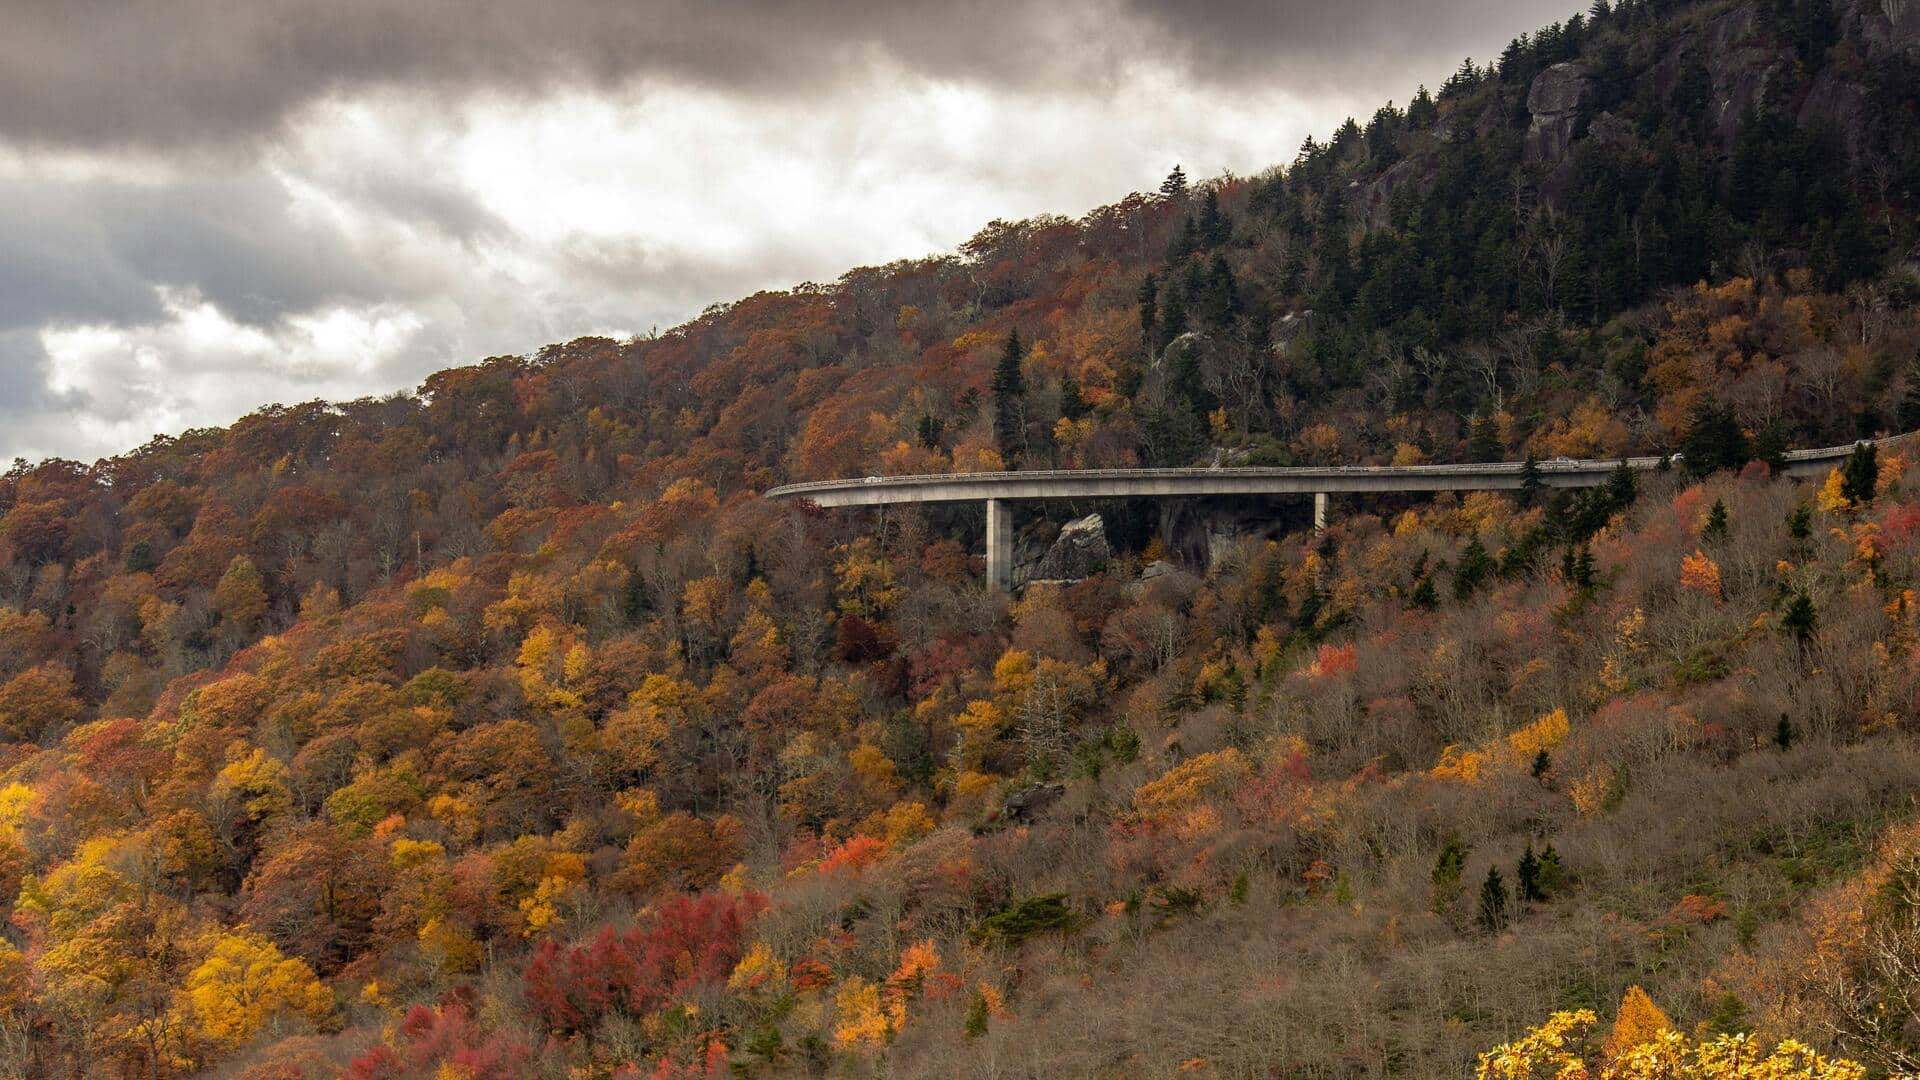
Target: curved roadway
x,y
996,489
1150,483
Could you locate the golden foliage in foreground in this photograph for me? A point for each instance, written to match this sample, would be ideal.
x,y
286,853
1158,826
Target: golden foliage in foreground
x,y
1553,1050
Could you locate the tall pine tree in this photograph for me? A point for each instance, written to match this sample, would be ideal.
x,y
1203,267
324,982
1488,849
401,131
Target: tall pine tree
x,y
1010,400
1493,901
1483,440
1861,475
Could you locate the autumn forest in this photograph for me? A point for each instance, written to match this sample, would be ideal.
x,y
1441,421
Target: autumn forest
x,y
501,729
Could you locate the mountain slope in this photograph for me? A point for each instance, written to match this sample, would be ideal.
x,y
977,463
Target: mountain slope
x,y
351,708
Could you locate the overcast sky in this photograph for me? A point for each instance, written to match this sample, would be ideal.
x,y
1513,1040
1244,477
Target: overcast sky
x,y
208,205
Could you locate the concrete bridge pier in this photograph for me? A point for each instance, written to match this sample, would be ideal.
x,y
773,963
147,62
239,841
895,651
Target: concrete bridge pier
x,y
1319,511
999,545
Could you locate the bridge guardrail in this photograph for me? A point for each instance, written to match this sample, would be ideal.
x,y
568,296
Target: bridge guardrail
x,y
1550,466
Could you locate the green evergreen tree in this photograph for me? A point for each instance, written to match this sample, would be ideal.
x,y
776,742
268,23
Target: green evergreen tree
x,y
140,558
1800,619
1716,526
1175,185
1800,522
1447,871
1623,486
1530,485
1493,902
1783,732
930,429
1483,439
976,1022
1215,228
1527,878
1576,566
1424,595
1553,877
1221,295
1474,568
1010,400
1149,300
1715,441
1861,474
636,601
1729,1015
1173,318
1542,761
1174,436
1312,603
1073,405
1421,111
1770,446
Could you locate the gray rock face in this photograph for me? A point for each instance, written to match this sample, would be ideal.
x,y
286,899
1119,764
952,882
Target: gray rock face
x,y
1607,128
1079,551
1731,29
1555,100
1743,65
1892,24
1839,102
1022,806
1375,199
1223,547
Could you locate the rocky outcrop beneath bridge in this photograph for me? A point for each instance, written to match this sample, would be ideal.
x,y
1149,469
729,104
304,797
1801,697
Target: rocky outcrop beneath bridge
x,y
1080,550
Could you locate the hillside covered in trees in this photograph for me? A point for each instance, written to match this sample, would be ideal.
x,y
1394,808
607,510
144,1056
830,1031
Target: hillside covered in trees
x,y
501,729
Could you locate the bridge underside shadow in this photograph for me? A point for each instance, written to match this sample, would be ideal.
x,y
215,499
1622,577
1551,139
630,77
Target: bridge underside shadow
x,y
1266,487
1190,529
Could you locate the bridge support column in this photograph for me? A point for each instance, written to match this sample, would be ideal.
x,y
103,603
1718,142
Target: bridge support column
x,y
999,545
1319,510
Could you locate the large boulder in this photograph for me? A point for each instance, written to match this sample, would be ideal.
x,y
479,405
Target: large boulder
x,y
1024,805
1555,100
1080,550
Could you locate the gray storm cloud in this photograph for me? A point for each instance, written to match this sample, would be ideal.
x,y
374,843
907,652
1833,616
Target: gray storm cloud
x,y
213,73
207,205
94,251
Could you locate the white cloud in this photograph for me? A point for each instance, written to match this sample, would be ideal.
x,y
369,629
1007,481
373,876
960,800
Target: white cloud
x,y
501,224
117,386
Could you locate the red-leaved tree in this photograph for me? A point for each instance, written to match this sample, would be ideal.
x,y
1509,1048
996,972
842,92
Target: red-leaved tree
x,y
443,1037
690,941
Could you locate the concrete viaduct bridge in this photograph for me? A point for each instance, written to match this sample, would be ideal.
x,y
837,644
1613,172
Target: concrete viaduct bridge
x,y
999,489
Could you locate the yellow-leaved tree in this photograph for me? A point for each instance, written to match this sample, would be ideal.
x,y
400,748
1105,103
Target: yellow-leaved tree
x,y
1556,1051
1639,1022
246,986
1701,574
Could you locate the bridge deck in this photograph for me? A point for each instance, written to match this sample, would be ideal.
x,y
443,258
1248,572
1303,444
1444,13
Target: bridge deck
x,y
1165,483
